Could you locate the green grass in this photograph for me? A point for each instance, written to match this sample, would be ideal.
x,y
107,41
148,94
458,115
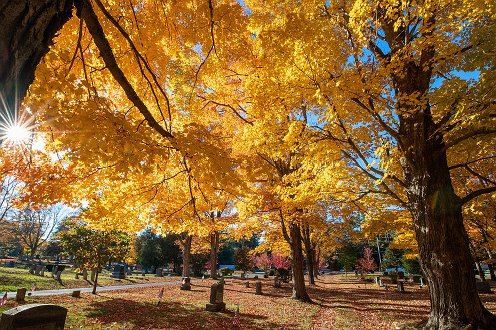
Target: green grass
x,y
13,278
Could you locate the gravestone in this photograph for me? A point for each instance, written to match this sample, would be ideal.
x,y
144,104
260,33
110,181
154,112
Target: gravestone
x,y
376,280
216,298
258,288
76,293
85,274
119,272
34,316
186,285
21,294
277,282
247,284
159,272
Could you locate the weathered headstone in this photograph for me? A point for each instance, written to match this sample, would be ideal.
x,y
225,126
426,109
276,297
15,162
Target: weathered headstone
x,y
34,316
21,294
76,293
216,298
119,272
186,285
258,288
159,272
85,274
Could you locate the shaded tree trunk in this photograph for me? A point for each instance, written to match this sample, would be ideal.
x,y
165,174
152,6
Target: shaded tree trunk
x,y
480,271
214,251
299,289
26,32
316,254
309,252
187,255
437,214
96,281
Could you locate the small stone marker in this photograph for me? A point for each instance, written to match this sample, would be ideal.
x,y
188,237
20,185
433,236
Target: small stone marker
x,y
186,285
119,272
34,316
216,298
247,284
21,294
159,272
258,288
76,293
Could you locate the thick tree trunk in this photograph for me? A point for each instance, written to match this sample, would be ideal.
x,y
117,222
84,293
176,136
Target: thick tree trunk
x,y
299,289
214,251
437,215
187,255
309,253
491,272
480,271
26,31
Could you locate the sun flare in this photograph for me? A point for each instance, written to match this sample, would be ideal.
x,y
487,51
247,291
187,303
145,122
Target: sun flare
x,y
17,134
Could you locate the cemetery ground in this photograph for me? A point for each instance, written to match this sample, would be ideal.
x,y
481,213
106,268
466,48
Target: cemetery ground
x,y
13,278
340,302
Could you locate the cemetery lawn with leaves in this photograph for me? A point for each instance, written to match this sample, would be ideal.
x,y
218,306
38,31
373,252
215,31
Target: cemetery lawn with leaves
x,y
339,303
13,278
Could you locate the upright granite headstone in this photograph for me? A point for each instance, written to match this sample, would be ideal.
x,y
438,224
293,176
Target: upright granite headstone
x,y
216,298
119,272
159,272
34,316
258,288
21,294
186,285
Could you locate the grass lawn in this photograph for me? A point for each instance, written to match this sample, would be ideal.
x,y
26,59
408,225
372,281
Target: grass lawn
x,y
339,303
13,278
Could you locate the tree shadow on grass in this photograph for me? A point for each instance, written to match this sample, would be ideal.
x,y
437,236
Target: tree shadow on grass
x,y
170,315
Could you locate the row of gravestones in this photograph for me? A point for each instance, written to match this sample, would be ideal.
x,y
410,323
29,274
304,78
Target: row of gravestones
x,y
39,270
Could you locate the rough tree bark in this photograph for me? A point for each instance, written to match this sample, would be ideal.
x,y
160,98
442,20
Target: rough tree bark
x,y
26,32
187,255
309,253
437,215
214,251
299,289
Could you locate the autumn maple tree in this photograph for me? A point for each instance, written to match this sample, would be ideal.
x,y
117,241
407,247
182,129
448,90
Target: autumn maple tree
x,y
365,103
